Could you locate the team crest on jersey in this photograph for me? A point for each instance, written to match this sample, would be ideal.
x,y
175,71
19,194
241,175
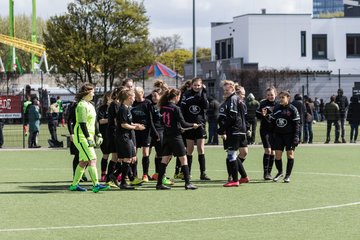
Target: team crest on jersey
x,y
281,122
194,109
221,110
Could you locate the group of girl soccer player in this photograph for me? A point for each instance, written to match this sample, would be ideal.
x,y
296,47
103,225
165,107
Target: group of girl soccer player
x,y
173,121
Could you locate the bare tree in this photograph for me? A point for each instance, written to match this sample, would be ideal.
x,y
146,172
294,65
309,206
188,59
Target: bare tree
x,y
166,44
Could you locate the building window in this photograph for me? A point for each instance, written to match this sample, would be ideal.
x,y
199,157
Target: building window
x,y
353,45
224,49
303,43
319,46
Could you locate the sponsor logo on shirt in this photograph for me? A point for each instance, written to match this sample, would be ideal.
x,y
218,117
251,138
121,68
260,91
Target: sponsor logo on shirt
x,y
194,109
281,122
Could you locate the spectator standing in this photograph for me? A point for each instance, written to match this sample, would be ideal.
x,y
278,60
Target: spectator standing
x,y
53,117
308,120
343,103
321,110
34,123
212,116
61,110
298,103
316,109
1,133
26,103
353,116
252,105
332,115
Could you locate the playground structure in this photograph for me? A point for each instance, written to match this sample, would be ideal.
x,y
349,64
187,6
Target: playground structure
x,y
36,50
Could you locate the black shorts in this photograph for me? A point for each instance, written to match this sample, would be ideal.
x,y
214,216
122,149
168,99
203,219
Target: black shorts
x,y
158,145
234,142
143,138
266,138
174,146
111,142
73,149
194,134
125,147
105,146
281,141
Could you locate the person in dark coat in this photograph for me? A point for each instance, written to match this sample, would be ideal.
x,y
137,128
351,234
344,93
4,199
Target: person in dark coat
x,y
1,133
212,117
343,104
34,123
353,117
252,105
308,119
298,103
332,115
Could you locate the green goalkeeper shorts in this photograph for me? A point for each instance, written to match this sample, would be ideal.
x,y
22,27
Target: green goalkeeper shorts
x,y
86,153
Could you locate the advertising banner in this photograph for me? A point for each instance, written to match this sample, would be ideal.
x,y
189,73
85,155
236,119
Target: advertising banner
x,y
10,107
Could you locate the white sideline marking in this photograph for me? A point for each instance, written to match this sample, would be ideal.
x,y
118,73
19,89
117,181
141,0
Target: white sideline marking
x,y
181,220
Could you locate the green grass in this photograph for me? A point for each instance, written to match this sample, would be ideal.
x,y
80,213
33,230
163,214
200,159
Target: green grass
x,y
34,198
14,138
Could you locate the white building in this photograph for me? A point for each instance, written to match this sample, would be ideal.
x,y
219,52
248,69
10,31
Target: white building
x,y
290,41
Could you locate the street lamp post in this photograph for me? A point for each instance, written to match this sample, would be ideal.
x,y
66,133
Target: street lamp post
x,y
194,43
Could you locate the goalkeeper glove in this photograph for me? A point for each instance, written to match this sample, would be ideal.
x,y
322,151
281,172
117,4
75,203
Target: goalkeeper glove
x,y
99,139
91,142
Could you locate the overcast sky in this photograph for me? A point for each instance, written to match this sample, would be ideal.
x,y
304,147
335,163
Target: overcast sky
x,y
168,17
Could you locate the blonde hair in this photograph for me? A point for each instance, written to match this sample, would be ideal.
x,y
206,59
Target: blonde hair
x,y
228,83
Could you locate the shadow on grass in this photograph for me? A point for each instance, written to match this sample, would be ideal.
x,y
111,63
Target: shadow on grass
x,y
47,182
25,192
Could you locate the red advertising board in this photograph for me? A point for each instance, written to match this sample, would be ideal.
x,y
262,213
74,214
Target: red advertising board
x,y
10,107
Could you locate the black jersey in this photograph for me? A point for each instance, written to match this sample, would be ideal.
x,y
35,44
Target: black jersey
x,y
173,120
285,120
102,113
232,116
112,113
141,112
71,120
157,118
123,116
265,120
193,106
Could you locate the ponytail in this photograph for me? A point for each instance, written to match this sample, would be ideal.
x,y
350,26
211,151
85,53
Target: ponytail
x,y
168,95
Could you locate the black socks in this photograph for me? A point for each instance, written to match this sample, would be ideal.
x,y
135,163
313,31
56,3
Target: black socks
x,y
157,164
104,163
201,158
189,159
162,168
145,164
240,167
278,164
289,166
186,171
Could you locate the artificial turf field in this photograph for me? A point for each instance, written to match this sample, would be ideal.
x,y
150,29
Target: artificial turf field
x,y
321,202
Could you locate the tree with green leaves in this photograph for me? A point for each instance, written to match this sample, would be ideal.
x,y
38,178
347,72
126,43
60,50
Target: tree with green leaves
x,y
175,59
108,37
22,31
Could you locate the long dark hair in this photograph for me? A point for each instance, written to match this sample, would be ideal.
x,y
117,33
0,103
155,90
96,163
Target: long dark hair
x,y
105,100
83,91
168,95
